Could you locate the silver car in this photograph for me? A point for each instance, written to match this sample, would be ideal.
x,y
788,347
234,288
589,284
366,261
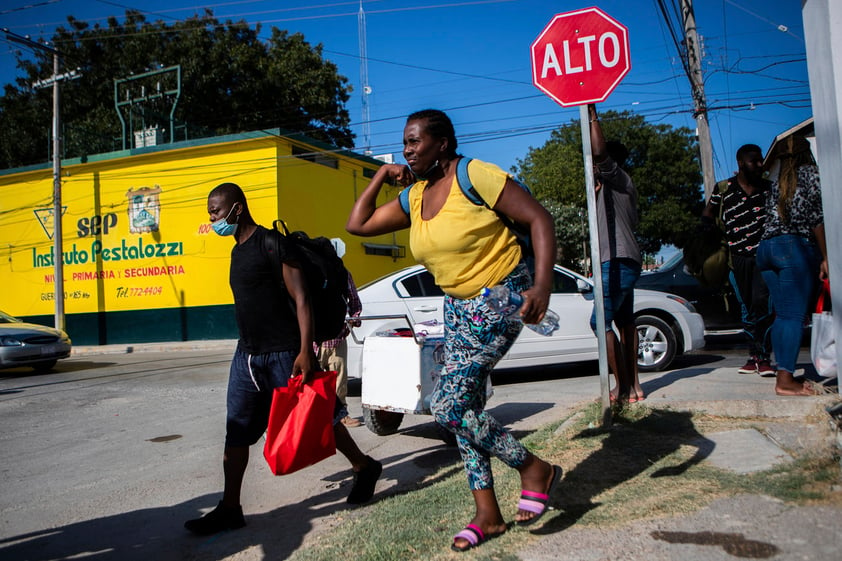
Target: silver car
x,y
28,344
668,325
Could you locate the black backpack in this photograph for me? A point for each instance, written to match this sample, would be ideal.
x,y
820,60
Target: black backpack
x,y
324,273
707,256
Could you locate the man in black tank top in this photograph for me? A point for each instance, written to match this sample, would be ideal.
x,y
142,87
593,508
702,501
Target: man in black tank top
x,y
275,344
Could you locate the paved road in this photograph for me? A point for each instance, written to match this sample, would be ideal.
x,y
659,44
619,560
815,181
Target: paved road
x,y
106,457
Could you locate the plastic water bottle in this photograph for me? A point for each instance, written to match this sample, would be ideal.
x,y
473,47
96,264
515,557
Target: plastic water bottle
x,y
506,303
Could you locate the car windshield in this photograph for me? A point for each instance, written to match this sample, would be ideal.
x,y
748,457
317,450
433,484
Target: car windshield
x,y
674,258
6,318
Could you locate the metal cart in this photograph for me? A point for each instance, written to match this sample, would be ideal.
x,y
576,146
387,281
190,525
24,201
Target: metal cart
x,y
400,369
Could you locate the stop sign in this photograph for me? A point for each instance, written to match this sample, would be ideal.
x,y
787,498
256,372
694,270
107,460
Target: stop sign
x,y
580,57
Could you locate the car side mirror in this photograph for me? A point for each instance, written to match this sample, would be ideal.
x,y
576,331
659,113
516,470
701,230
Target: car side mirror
x,y
584,286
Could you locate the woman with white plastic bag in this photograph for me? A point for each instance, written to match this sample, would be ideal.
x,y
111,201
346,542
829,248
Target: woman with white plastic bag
x,y
823,341
792,255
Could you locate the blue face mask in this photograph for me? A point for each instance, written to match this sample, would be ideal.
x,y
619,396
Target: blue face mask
x,y
222,227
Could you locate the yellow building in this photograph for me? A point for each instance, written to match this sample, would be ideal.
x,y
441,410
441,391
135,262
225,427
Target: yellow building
x,y
141,263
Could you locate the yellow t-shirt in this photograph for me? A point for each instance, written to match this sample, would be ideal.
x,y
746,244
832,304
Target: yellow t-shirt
x,y
465,246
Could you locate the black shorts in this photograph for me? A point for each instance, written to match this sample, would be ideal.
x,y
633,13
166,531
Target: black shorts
x,y
251,384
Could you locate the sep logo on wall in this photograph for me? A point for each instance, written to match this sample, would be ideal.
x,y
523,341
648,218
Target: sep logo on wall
x,y
144,216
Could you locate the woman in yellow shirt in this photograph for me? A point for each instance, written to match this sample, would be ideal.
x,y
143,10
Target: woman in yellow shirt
x,y
467,247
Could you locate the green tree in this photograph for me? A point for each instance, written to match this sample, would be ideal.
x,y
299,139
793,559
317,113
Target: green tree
x,y
232,81
662,162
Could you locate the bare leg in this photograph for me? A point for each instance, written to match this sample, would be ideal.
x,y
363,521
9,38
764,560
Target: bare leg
x,y
617,365
234,462
629,340
785,384
488,517
348,448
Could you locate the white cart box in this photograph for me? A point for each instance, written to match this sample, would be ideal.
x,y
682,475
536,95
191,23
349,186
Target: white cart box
x,y
399,374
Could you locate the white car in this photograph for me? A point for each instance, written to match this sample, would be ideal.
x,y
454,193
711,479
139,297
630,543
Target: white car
x,y
667,324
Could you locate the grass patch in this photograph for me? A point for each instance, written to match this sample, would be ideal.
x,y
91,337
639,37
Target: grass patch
x,y
647,465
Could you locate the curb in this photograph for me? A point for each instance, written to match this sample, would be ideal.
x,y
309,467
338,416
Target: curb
x,y
796,408
211,345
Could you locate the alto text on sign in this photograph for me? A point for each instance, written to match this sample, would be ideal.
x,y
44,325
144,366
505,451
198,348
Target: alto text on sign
x,y
580,57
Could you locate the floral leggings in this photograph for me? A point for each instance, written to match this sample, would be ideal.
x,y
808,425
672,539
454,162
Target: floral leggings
x,y
476,338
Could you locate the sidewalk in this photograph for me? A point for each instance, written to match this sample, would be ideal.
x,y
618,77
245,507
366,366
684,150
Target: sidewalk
x,y
211,345
747,526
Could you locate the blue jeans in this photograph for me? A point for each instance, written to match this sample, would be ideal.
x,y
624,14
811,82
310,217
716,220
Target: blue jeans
x,y
618,279
789,265
753,297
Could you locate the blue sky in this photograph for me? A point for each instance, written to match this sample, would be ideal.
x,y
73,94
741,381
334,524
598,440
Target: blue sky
x,y
472,59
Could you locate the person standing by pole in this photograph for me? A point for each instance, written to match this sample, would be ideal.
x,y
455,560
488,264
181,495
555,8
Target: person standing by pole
x,y
619,255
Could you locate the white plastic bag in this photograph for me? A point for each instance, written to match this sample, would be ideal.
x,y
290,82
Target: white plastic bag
x,y
823,345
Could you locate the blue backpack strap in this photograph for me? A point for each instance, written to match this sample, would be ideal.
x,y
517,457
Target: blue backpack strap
x,y
521,232
403,199
468,188
464,181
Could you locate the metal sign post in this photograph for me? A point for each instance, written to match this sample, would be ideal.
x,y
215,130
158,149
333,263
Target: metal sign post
x,y
579,58
596,266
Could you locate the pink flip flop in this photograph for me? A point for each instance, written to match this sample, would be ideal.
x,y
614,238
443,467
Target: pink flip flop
x,y
537,503
473,535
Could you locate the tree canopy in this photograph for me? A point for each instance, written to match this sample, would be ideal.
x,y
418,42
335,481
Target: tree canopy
x,y
231,81
663,164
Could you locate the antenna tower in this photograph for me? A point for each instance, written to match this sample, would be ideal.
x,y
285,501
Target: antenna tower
x,y
366,89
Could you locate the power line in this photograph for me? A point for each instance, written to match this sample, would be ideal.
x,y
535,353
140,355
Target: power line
x,y
780,27
28,7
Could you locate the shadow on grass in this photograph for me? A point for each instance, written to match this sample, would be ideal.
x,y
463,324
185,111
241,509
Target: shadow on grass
x,y
628,448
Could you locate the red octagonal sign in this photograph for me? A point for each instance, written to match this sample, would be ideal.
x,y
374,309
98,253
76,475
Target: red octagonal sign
x,y
580,57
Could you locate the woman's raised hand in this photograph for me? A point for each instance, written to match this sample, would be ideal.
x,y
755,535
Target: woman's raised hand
x,y
399,173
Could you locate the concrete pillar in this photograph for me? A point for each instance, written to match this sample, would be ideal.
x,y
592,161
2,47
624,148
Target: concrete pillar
x,y
823,35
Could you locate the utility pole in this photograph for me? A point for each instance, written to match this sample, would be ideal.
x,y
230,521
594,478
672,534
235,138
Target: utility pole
x,y
58,264
700,113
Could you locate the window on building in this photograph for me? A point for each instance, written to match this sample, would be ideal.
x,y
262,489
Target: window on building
x,y
315,157
393,251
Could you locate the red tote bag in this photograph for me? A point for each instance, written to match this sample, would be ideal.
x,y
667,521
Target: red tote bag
x,y
300,431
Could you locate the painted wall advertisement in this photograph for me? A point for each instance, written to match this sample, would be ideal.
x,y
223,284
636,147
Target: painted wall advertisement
x,y
120,261
141,247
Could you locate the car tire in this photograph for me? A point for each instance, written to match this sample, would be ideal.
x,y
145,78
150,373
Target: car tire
x,y
382,422
43,367
656,344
